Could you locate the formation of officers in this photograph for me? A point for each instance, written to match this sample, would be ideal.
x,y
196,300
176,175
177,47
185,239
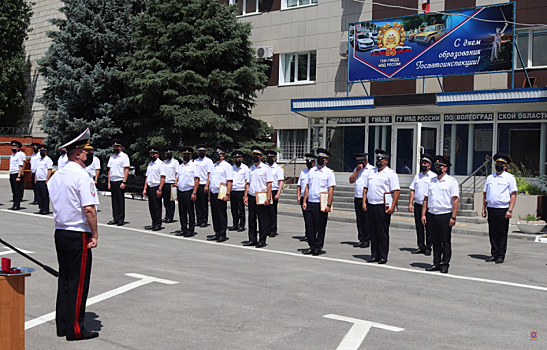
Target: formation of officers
x,y
196,183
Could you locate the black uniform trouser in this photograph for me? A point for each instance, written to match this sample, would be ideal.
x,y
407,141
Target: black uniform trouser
x,y
17,189
219,213
379,230
441,237
361,219
202,210
237,207
498,227
118,201
273,213
42,196
262,213
421,230
154,205
186,211
168,204
32,177
73,283
316,225
303,214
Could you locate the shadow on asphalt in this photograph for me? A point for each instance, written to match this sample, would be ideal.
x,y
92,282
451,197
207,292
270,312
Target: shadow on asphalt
x,y
478,256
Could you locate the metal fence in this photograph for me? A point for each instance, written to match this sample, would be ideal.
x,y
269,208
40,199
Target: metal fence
x,y
14,131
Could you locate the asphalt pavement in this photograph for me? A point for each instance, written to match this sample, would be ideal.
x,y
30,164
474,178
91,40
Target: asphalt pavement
x,y
153,290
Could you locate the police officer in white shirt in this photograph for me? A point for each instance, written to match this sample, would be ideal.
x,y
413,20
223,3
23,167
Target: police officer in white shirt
x,y
33,158
44,166
74,199
441,203
94,169
320,180
277,187
301,187
118,171
221,175
380,181
204,166
260,180
418,187
237,206
171,166
16,166
500,195
358,178
153,187
187,188
63,159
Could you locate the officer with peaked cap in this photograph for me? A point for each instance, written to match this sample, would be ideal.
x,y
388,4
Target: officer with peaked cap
x,y
44,167
380,181
16,166
204,166
439,213
301,187
171,166
500,195
358,177
277,187
320,180
153,187
33,158
417,193
74,199
187,187
260,184
220,188
241,177
118,171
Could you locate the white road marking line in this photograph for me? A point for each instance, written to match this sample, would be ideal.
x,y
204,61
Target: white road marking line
x,y
436,274
11,251
357,333
101,297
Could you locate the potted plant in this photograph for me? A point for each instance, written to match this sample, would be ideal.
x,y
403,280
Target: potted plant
x,y
530,224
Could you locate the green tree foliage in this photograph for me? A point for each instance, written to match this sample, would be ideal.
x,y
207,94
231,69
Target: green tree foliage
x,y
193,78
14,23
82,90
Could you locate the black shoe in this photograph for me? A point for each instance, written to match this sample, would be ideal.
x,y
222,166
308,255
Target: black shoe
x,y
169,221
180,234
86,335
304,239
121,223
261,245
499,261
34,203
307,251
241,229
39,212
444,268
14,208
418,251
273,234
213,238
46,212
427,252
164,220
157,228
490,259
249,244
189,234
317,252
382,261
203,225
112,222
232,228
373,260
150,227
222,239
434,268
364,244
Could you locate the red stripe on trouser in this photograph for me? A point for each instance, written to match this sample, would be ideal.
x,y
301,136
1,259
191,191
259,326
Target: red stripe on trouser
x,y
77,331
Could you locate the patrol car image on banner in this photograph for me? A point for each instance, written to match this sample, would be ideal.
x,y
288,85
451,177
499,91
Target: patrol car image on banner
x,y
466,41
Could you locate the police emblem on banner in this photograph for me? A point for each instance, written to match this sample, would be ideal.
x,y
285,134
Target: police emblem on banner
x,y
391,40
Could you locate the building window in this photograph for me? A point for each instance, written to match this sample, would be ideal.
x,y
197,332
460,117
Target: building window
x,y
245,7
297,67
532,44
296,3
292,144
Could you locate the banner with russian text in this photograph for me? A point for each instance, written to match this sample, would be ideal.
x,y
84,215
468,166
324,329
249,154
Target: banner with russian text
x,y
467,41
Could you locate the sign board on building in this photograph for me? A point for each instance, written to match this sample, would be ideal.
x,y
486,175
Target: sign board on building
x,y
523,116
465,41
469,117
417,118
383,119
346,120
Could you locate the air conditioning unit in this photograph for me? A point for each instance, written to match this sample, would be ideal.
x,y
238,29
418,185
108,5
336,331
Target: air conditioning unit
x,y
343,49
264,52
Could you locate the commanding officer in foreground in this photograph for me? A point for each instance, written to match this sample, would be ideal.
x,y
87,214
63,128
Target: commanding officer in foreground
x,y
187,188
237,206
221,175
441,203
500,195
16,166
153,187
74,197
171,166
301,187
118,166
358,178
380,181
260,183
277,187
418,187
204,166
321,180
44,166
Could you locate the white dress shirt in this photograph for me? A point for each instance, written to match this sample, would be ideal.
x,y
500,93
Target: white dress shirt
x,y
319,180
303,180
278,175
204,167
241,177
33,159
93,167
171,166
117,164
259,176
154,172
61,162
186,175
360,182
498,189
380,182
42,167
419,185
15,161
440,193
221,173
